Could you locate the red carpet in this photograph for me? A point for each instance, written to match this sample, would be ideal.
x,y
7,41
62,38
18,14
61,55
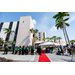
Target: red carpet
x,y
43,57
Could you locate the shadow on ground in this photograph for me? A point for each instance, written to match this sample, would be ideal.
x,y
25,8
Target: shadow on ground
x,y
68,60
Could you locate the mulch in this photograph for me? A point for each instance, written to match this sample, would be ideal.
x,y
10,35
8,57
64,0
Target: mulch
x,y
2,59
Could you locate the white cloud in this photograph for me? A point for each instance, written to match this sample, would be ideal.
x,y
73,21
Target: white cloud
x,y
71,18
53,28
34,21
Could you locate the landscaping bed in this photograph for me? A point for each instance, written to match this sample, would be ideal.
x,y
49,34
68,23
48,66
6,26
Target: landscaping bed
x,y
8,50
2,59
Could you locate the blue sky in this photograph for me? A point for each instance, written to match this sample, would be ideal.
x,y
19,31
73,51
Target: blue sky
x,y
43,21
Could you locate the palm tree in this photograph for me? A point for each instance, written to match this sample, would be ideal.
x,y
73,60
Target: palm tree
x,y
8,32
12,42
61,23
44,39
33,31
48,39
54,37
36,38
72,41
1,41
59,38
51,39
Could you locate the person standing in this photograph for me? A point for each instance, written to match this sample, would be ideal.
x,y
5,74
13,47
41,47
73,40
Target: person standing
x,y
27,50
13,50
16,49
23,50
39,50
68,48
32,50
61,49
6,50
20,50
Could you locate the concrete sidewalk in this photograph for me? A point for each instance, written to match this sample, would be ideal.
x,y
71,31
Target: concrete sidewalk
x,y
23,58
34,58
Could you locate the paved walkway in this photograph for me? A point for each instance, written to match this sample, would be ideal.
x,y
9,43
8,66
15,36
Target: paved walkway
x,y
26,58
35,58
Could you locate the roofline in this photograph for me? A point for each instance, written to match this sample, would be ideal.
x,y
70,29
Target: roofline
x,y
8,21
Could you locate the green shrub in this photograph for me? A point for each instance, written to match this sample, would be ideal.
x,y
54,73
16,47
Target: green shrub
x,y
3,50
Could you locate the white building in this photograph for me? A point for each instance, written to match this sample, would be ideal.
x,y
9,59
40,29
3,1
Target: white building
x,y
40,35
22,35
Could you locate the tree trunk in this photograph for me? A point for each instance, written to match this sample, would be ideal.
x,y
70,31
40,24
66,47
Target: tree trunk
x,y
59,41
33,40
7,39
66,34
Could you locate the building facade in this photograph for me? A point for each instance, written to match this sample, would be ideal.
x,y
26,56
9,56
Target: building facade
x,y
21,34
40,35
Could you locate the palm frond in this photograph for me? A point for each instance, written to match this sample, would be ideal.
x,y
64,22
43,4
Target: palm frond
x,y
66,19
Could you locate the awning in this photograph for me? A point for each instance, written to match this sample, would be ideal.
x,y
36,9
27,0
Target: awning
x,y
47,44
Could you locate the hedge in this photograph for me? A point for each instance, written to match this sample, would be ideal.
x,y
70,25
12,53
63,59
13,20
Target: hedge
x,y
8,50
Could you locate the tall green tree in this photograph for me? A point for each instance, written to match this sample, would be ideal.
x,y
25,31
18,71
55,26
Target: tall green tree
x,y
8,32
36,38
59,38
72,41
1,41
48,39
55,38
33,31
61,23
44,39
51,39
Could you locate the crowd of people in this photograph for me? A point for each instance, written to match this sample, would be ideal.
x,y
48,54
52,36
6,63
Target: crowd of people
x,y
24,50
20,50
49,49
66,49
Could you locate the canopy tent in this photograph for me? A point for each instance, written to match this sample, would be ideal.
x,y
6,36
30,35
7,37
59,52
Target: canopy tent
x,y
47,44
63,44
50,43
56,44
38,41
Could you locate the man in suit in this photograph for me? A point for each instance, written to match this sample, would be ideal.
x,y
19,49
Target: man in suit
x,y
6,50
39,50
32,50
20,49
23,48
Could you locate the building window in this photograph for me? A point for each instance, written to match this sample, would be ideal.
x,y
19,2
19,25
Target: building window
x,y
39,37
39,33
44,35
